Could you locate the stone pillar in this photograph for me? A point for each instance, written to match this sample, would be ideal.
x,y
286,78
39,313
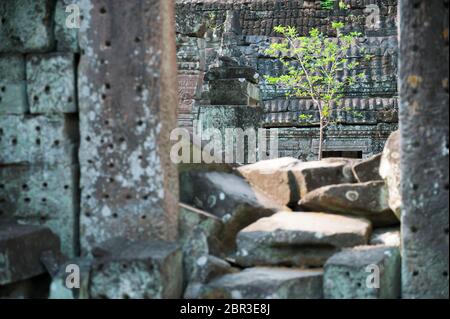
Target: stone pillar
x,y
424,64
128,102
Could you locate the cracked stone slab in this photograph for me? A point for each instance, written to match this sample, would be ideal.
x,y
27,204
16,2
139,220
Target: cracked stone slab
x,y
368,200
265,283
349,274
51,83
298,239
15,265
137,270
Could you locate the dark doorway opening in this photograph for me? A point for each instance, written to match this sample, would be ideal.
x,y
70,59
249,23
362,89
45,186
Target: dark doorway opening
x,y
346,154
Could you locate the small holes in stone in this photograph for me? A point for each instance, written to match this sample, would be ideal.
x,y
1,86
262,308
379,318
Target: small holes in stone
x,y
140,123
102,10
38,128
25,187
38,141
108,44
122,139
88,138
446,231
66,187
27,200
137,39
104,97
3,89
108,86
415,273
69,99
3,20
445,274
35,98
44,185
47,89
115,215
14,141
129,197
87,214
44,200
144,217
414,229
106,196
56,143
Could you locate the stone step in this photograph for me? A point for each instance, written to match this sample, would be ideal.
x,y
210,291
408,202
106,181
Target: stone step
x,y
298,239
367,272
21,249
265,283
368,200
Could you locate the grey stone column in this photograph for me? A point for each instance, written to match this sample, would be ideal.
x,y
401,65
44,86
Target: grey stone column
x,y
424,134
128,102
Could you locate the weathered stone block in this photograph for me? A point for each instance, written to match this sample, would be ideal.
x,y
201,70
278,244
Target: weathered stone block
x,y
51,83
26,26
351,274
66,38
368,170
127,107
15,240
233,92
193,220
13,96
266,283
274,178
313,175
386,237
390,171
43,195
368,200
228,197
222,73
37,140
298,239
138,270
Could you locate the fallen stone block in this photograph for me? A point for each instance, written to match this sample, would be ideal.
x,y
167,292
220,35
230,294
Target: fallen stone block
x,y
43,195
316,174
390,171
51,83
233,92
26,26
37,140
368,272
386,237
368,170
137,270
298,239
21,247
265,283
274,178
192,220
228,197
13,96
368,200
66,38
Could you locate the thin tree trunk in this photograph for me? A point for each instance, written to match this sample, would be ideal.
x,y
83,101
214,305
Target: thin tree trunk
x,y
321,138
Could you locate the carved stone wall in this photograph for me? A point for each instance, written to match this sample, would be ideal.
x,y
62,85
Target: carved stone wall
x,y
203,37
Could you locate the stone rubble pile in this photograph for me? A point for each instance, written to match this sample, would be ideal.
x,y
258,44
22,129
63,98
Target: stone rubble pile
x,y
341,240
